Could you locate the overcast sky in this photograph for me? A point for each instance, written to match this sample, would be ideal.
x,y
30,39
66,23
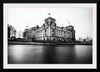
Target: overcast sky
x,y
80,18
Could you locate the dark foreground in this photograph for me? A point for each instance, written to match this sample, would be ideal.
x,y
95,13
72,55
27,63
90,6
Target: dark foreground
x,y
50,54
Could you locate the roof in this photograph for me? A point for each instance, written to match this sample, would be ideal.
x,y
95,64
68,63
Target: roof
x,y
52,19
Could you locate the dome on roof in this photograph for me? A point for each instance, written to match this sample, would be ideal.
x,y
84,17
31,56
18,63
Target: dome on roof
x,y
49,19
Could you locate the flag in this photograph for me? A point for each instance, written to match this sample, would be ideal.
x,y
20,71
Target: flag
x,y
49,14
69,22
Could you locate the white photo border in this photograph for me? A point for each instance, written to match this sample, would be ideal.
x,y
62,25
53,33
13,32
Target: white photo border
x,y
49,66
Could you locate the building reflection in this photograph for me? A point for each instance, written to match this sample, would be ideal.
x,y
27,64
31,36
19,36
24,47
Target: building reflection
x,y
16,54
49,54
23,54
83,54
66,54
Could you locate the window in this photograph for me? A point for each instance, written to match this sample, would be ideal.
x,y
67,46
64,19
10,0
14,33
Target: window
x,y
53,30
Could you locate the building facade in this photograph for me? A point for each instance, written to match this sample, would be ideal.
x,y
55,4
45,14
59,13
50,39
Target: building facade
x,y
49,31
11,32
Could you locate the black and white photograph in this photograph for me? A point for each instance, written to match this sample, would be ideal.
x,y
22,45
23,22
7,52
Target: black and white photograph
x,y
61,35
